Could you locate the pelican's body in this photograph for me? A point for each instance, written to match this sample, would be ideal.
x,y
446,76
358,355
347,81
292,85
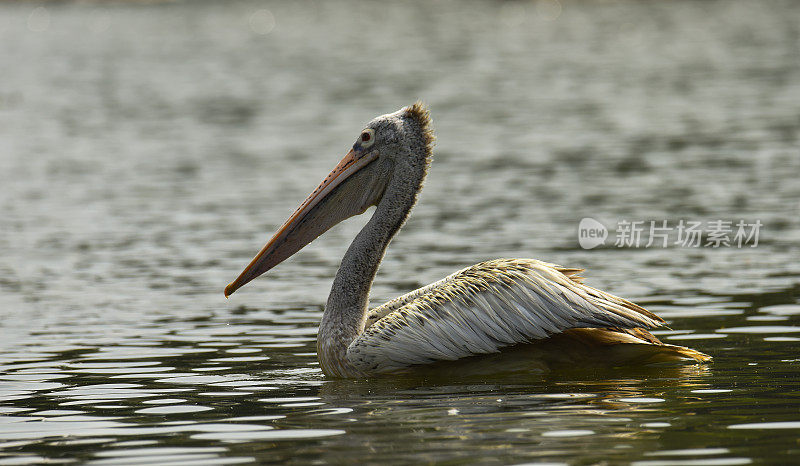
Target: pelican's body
x,y
482,309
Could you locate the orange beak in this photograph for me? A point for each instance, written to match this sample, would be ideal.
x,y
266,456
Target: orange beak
x,y
328,205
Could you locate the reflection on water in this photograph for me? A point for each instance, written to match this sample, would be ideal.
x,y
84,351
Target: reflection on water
x,y
146,151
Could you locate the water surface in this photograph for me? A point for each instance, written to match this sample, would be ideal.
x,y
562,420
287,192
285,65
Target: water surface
x,y
148,151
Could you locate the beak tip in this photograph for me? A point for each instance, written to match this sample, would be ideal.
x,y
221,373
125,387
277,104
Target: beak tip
x,y
230,289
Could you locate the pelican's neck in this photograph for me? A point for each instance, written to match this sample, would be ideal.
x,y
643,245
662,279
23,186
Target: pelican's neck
x,y
346,311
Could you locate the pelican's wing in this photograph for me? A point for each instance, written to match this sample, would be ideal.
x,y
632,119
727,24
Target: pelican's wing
x,y
484,308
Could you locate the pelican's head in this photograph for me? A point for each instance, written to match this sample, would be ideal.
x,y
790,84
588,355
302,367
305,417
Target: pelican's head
x,y
392,151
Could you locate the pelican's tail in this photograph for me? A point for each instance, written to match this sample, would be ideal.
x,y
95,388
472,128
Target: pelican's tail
x,y
579,349
631,346
673,353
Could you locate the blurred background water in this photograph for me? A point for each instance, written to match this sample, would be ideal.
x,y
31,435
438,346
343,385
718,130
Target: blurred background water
x,y
147,150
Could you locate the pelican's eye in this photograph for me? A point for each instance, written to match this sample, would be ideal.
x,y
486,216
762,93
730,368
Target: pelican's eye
x,y
367,138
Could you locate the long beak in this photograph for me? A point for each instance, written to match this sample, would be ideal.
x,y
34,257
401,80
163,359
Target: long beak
x,y
328,205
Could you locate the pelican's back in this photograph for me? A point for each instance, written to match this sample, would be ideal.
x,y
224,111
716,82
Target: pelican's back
x,y
490,306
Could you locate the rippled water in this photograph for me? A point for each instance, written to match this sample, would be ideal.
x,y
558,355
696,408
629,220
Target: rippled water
x,y
147,151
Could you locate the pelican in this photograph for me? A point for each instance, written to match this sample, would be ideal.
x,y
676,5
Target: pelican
x,y
498,306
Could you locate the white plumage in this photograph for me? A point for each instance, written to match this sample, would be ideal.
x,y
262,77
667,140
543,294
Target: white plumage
x,y
484,308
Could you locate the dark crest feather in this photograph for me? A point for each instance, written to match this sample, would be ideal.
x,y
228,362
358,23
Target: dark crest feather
x,y
422,116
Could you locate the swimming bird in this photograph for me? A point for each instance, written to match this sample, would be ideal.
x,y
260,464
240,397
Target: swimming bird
x,y
484,309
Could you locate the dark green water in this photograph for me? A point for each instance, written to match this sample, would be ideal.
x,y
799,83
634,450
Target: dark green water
x,y
147,151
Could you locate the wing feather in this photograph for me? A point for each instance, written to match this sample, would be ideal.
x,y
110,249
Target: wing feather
x,y
484,308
